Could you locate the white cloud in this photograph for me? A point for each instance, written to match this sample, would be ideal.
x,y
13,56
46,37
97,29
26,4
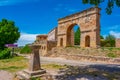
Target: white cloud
x,y
26,38
116,34
115,27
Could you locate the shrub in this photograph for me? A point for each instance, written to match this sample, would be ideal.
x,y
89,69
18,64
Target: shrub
x,y
26,50
112,55
35,78
6,53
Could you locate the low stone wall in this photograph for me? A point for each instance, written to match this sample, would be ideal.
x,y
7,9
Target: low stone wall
x,y
91,58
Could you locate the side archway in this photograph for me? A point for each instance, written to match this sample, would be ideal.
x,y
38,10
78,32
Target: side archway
x,y
87,41
61,42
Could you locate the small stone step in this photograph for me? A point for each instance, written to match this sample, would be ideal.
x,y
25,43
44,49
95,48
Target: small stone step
x,y
27,74
22,75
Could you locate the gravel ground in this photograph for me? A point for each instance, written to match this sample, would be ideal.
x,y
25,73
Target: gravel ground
x,y
4,75
86,77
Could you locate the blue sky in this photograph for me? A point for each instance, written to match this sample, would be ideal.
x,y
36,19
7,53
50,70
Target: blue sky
x,y
35,17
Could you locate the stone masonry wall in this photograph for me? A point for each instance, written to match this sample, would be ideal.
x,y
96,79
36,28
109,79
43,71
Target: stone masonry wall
x,y
52,35
118,43
89,23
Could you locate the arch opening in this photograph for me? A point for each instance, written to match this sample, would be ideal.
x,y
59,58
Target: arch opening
x,y
61,42
87,41
73,35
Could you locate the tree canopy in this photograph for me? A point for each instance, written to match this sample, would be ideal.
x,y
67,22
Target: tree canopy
x,y
109,6
111,40
9,33
25,50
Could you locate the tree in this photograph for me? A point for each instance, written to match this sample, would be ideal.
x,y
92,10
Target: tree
x,y
101,37
77,37
25,50
9,33
110,4
110,39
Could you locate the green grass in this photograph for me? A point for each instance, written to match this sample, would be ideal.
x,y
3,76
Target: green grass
x,y
19,63
110,48
53,66
36,79
111,55
13,64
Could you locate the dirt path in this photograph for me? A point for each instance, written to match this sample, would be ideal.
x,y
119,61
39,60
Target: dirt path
x,y
65,61
4,75
100,66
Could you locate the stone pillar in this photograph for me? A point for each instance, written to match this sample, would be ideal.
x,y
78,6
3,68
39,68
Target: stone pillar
x,y
34,69
35,59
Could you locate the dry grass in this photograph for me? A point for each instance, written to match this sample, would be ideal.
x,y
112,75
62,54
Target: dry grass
x,y
19,63
103,51
13,64
52,66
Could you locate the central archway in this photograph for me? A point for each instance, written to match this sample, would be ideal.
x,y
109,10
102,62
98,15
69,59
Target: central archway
x,y
73,35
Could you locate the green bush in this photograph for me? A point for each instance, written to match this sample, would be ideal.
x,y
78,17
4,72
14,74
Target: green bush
x,y
35,78
6,53
112,55
25,50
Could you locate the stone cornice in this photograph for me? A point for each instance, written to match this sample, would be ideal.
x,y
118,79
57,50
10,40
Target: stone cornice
x,y
78,15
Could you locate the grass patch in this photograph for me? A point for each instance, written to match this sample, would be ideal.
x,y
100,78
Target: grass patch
x,y
35,79
111,55
53,66
110,48
19,63
13,64
76,46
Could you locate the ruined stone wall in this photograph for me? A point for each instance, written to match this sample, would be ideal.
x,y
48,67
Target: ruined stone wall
x,y
43,46
118,43
51,44
52,35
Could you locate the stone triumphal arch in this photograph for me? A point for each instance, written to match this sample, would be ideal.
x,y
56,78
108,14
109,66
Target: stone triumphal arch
x,y
89,22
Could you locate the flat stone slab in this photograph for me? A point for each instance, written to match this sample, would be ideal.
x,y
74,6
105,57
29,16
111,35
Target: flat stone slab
x,y
4,75
26,74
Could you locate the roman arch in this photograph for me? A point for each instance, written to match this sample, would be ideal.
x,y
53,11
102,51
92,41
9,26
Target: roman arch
x,y
89,22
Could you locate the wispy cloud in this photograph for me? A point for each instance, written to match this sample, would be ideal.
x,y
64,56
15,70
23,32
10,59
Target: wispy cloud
x,y
11,2
116,34
114,27
61,7
26,38
70,9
